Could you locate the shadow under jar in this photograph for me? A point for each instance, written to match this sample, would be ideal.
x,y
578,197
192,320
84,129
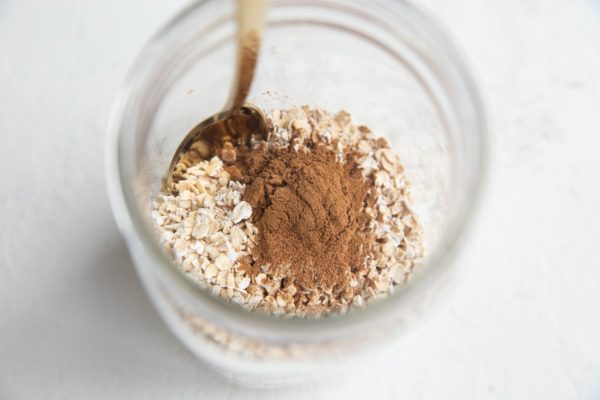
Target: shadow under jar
x,y
387,64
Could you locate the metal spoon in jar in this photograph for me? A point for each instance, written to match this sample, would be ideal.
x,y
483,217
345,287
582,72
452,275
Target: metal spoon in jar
x,y
239,120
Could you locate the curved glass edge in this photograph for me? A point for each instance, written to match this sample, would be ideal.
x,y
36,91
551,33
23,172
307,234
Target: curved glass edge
x,y
135,230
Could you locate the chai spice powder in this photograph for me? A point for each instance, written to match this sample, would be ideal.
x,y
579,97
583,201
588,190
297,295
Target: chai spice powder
x,y
309,211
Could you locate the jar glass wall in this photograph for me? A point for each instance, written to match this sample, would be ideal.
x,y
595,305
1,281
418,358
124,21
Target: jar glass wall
x,y
387,64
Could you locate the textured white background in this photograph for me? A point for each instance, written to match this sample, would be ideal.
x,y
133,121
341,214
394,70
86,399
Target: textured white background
x,y
524,323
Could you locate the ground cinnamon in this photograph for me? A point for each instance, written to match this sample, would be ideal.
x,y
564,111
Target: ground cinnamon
x,y
309,211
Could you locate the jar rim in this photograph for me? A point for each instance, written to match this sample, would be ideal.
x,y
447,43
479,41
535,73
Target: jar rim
x,y
136,231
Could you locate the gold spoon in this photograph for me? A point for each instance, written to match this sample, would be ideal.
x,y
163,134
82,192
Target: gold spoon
x,y
239,120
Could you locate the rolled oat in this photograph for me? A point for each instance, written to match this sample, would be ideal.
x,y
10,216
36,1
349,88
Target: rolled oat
x,y
208,227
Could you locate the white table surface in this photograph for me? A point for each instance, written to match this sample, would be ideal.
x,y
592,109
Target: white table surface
x,y
523,324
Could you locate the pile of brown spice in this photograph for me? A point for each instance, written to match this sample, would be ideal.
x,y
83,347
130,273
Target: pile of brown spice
x,y
310,213
314,219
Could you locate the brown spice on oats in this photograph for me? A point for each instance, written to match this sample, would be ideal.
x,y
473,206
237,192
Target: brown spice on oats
x,y
310,213
210,226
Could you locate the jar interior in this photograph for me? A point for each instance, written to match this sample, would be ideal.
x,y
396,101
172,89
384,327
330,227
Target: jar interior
x,y
390,77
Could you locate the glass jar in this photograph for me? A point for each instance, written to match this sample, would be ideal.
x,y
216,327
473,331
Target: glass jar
x,y
387,64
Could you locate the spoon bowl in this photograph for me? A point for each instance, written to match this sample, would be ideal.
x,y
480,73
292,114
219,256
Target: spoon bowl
x,y
209,137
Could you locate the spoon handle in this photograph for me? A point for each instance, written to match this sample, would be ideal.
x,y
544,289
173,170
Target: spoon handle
x,y
251,22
